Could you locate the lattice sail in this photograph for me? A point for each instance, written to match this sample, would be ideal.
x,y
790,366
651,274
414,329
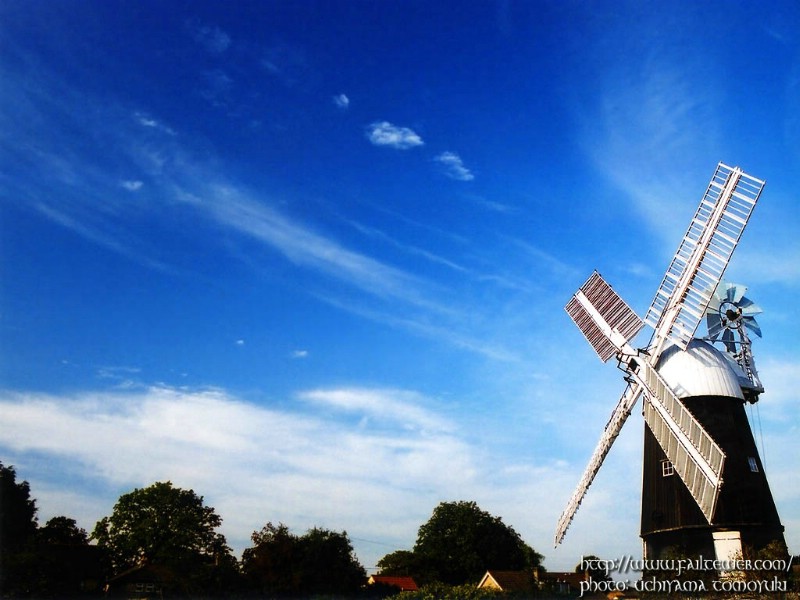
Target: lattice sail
x,y
621,413
697,458
702,256
604,318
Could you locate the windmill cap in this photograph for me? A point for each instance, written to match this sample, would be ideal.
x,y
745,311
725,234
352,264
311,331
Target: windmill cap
x,y
700,370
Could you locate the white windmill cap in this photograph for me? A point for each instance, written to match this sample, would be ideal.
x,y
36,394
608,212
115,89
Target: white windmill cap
x,y
700,370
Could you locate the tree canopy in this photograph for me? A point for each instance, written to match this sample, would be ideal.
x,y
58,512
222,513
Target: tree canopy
x,y
17,511
51,561
62,531
173,531
160,524
460,542
168,527
17,529
399,562
319,562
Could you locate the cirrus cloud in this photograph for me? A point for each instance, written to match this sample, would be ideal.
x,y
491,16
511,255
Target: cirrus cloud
x,y
132,185
341,101
213,39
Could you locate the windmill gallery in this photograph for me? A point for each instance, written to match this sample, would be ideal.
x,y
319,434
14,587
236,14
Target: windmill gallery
x,y
704,489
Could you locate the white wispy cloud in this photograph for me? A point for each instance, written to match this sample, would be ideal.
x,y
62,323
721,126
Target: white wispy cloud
x,y
146,120
288,63
132,185
776,259
546,261
780,376
299,244
252,463
492,205
385,134
456,335
99,235
195,186
218,87
213,39
651,121
454,167
299,354
399,407
342,101
374,462
657,134
375,233
121,374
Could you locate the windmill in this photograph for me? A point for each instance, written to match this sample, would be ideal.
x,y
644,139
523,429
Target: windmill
x,y
703,485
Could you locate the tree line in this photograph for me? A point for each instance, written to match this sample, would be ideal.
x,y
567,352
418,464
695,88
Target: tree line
x,y
165,539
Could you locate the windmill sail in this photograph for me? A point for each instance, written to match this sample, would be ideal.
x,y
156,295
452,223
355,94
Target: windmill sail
x,y
702,256
608,324
610,433
604,318
697,458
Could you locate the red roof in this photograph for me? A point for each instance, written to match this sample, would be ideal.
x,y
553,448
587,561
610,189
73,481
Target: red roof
x,y
405,583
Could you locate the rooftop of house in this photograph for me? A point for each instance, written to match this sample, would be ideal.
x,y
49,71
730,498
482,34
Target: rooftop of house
x,y
404,582
508,581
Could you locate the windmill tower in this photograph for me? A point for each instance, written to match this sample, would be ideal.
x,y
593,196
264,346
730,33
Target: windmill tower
x,y
704,490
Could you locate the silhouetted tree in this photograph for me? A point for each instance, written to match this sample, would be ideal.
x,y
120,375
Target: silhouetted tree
x,y
17,530
399,562
269,566
460,542
170,527
318,562
52,561
66,564
329,563
17,510
62,531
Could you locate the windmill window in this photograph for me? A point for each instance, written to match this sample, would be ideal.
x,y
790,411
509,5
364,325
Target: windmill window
x,y
751,460
667,468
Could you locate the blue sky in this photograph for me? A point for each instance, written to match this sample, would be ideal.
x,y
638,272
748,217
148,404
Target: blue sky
x,y
310,259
